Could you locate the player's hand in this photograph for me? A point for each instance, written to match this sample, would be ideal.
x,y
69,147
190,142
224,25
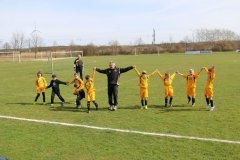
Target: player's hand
x,y
94,68
134,66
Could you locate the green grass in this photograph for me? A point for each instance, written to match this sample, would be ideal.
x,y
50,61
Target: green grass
x,y
27,140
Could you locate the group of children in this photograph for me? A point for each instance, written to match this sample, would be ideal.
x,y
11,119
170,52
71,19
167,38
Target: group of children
x,y
79,85
168,89
167,79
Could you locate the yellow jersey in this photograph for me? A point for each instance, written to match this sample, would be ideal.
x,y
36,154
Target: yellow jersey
x,y
210,78
143,78
167,81
41,82
89,85
191,79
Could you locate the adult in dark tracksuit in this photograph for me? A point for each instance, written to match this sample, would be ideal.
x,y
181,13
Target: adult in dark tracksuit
x,y
79,66
113,75
55,88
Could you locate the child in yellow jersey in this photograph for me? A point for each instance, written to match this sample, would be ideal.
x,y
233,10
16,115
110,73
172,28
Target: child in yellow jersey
x,y
208,92
40,84
78,91
89,85
167,79
143,84
191,85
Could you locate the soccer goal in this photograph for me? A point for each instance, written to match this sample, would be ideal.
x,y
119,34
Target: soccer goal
x,y
60,55
14,56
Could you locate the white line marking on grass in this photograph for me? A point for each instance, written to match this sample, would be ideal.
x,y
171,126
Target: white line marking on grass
x,y
123,130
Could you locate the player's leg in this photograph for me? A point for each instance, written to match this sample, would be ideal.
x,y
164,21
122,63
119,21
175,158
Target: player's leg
x,y
211,99
142,98
110,94
44,97
115,96
188,96
145,94
170,94
52,98
36,98
166,96
78,102
60,96
96,105
88,106
166,101
193,94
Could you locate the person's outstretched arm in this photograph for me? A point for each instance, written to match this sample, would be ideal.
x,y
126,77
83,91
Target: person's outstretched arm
x,y
151,74
50,85
173,75
103,71
160,75
183,75
137,72
123,70
93,74
61,82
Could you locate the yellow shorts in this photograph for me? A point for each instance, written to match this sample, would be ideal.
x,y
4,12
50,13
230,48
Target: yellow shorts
x,y
143,93
208,92
191,92
169,91
40,90
91,96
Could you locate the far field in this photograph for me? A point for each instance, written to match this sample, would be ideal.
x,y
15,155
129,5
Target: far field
x,y
27,140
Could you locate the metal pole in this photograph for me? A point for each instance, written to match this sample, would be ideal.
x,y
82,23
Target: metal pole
x,y
51,61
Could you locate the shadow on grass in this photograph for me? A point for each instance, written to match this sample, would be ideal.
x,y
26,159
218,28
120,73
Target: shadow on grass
x,y
74,109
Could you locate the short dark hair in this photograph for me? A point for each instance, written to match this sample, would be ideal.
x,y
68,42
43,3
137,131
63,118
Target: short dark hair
x,y
54,75
39,72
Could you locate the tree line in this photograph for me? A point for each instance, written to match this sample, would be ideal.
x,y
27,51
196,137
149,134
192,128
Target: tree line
x,y
200,39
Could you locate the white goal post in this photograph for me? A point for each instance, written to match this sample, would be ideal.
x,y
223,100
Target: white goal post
x,y
14,55
63,55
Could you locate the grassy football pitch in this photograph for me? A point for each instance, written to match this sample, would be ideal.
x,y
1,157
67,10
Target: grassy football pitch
x,y
21,140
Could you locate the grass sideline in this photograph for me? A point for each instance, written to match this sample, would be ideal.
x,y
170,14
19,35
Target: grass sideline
x,y
26,140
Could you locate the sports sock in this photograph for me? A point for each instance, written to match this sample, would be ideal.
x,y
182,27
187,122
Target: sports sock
x,y
207,100
88,105
189,99
96,105
166,100
142,102
211,102
145,102
193,100
170,101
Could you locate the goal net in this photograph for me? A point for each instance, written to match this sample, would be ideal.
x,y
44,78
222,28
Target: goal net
x,y
61,55
14,56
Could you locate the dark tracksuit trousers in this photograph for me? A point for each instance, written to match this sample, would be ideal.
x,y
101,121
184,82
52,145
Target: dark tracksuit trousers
x,y
58,94
113,94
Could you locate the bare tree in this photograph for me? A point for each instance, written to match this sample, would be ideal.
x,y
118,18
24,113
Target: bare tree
x,y
115,46
18,41
138,41
6,46
36,42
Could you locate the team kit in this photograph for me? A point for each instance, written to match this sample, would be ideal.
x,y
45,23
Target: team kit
x,y
113,75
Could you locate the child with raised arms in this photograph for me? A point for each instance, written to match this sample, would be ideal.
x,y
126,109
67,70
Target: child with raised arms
x,y
168,89
143,84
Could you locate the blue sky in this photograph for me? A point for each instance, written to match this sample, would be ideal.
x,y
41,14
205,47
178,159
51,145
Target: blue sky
x,y
102,21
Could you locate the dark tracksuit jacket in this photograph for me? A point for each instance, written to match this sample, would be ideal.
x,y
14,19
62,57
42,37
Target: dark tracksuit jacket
x,y
79,67
113,76
55,89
